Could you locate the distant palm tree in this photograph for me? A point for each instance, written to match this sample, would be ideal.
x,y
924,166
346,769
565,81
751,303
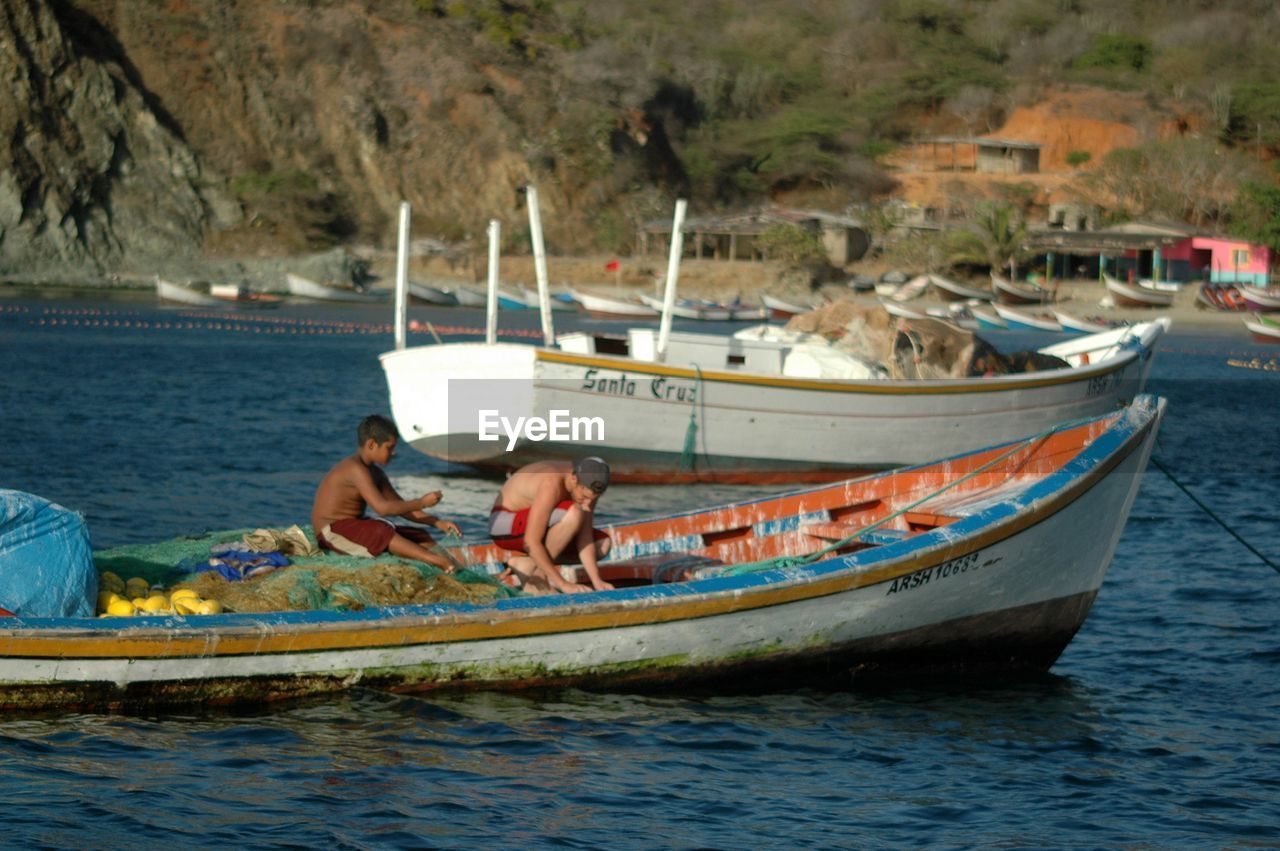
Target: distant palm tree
x,y
997,236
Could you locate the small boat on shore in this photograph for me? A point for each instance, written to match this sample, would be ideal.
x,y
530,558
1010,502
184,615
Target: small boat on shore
x,y
988,320
606,307
956,291
1131,295
901,311
185,295
1077,324
427,294
1025,321
1007,292
984,563
559,301
241,297
1260,300
1263,329
306,288
684,308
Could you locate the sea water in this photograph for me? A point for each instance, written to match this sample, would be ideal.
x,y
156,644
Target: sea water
x,y
1157,728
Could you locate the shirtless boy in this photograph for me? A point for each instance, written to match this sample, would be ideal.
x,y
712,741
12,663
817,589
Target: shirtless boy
x,y
358,482
544,513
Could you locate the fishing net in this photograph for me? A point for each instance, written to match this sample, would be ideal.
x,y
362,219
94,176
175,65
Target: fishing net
x,y
311,582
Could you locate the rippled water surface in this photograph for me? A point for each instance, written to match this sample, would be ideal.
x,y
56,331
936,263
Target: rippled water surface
x,y
1157,727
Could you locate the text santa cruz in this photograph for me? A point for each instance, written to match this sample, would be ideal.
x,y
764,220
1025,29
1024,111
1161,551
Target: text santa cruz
x,y
660,387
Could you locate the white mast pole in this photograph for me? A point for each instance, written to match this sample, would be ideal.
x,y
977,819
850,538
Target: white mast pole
x,y
540,267
491,305
673,270
402,275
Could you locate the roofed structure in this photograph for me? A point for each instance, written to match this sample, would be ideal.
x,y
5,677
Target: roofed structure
x,y
734,236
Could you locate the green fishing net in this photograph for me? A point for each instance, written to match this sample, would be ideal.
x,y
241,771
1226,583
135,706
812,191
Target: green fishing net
x,y
310,582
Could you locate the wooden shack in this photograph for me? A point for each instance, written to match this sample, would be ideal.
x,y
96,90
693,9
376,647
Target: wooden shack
x,y
734,236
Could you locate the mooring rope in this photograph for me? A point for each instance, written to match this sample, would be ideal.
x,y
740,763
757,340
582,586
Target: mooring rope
x,y
689,454
1207,510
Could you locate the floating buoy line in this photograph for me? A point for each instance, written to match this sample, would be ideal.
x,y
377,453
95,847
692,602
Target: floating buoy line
x,y
1255,363
195,320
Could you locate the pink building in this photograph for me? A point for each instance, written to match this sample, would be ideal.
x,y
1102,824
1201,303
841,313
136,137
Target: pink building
x,y
1229,260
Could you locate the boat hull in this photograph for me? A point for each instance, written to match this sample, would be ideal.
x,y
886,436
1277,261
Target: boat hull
x,y
745,427
1008,292
305,288
1259,300
1002,586
1025,321
1126,295
1261,331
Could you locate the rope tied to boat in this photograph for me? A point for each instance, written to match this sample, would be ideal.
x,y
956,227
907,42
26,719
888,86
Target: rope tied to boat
x,y
689,453
1207,510
780,562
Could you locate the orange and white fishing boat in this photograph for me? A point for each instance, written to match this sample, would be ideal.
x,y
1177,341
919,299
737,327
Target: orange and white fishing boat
x,y
987,561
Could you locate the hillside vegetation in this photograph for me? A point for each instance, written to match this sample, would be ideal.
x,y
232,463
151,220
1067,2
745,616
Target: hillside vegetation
x,y
285,125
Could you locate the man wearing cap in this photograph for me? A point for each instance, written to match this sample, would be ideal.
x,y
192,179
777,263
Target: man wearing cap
x,y
544,513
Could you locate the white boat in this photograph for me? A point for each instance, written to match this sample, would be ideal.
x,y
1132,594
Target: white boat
x,y
780,308
1262,329
690,309
1078,324
468,297
957,314
530,298
988,320
984,563
1020,319
186,295
901,311
718,408
309,289
1129,295
1010,293
954,290
1258,299
608,307
427,294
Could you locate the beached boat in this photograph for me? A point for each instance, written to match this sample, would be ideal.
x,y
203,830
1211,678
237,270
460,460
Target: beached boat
x,y
718,408
901,311
1260,300
312,290
956,291
1078,324
984,563
1008,292
1025,321
956,313
1262,329
427,294
185,295
781,308
241,297
1131,295
988,320
558,301
605,307
685,308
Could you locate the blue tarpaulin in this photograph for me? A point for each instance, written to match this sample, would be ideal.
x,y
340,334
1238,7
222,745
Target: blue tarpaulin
x,y
46,563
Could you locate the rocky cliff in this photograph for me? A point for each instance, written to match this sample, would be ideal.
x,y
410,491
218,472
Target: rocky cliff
x,y
96,172
143,131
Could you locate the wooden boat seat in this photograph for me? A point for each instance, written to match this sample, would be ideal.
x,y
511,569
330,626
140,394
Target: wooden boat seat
x,y
840,531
